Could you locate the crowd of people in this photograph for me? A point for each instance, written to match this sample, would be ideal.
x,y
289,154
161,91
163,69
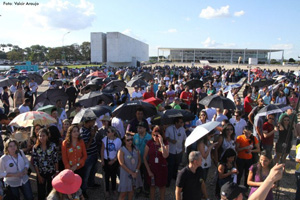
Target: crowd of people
x,y
145,156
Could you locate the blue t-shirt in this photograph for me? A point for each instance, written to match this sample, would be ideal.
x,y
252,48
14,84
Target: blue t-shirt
x,y
140,143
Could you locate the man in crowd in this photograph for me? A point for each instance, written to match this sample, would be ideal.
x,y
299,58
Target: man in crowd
x,y
232,191
255,110
5,100
190,181
175,134
238,122
25,106
148,93
186,96
132,126
248,102
136,94
72,93
267,138
87,133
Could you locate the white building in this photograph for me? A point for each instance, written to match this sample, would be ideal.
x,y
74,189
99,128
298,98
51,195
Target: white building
x,y
117,49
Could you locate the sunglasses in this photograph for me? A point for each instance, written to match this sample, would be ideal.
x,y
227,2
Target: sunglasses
x,y
128,140
155,135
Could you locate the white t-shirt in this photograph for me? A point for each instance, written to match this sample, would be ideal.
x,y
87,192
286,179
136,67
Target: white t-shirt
x,y
118,124
136,95
112,147
238,126
178,135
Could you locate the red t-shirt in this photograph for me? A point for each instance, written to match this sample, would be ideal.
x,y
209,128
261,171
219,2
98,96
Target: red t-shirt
x,y
147,95
267,127
186,95
247,104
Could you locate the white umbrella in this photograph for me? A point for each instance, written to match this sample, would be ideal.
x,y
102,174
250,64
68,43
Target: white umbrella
x,y
200,131
297,73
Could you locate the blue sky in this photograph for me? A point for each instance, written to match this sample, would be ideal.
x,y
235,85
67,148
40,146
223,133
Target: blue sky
x,y
267,24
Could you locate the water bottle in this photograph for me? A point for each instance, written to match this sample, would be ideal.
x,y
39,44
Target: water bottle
x,y
152,181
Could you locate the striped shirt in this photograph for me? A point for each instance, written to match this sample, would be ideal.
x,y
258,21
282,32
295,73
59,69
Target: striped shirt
x,y
85,135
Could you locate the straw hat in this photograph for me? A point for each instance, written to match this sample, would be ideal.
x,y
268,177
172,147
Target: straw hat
x,y
20,136
67,182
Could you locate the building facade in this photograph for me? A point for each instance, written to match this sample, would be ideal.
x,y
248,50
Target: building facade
x,y
218,55
117,49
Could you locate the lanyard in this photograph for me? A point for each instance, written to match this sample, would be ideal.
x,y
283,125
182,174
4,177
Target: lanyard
x,y
16,163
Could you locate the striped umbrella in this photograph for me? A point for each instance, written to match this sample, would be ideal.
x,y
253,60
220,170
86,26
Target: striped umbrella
x,y
32,118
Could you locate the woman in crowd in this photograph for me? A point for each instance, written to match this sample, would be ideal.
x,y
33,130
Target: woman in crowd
x,y
19,97
45,162
226,169
110,147
246,144
73,151
202,118
65,126
281,98
130,162
156,152
66,186
226,140
283,133
125,95
13,168
259,171
205,147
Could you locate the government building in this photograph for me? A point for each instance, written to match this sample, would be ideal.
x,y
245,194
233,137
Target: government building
x,y
217,55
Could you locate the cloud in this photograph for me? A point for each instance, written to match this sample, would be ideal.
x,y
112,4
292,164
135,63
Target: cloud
x,y
64,15
187,19
210,43
209,12
282,46
279,39
239,13
172,30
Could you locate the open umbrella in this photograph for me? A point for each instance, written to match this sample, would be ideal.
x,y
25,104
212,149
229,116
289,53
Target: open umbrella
x,y
200,131
8,81
194,83
168,116
269,109
217,101
153,100
47,74
46,109
262,82
230,87
50,96
23,71
101,110
138,82
297,73
83,115
91,99
58,82
36,77
144,75
114,86
283,107
32,118
126,111
98,74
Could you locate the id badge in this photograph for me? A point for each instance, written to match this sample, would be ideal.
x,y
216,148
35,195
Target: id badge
x,y
132,161
156,160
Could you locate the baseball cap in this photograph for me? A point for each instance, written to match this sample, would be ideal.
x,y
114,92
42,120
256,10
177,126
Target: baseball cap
x,y
142,124
232,190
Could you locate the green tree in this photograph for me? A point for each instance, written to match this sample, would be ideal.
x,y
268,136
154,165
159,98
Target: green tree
x,y
15,55
3,55
85,49
54,53
292,60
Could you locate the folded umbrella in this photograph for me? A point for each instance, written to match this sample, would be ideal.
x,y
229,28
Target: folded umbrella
x,y
126,111
83,115
217,101
91,99
50,96
200,131
194,83
32,118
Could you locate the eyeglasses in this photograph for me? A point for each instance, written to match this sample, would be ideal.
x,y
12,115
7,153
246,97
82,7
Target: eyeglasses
x,y
155,135
128,140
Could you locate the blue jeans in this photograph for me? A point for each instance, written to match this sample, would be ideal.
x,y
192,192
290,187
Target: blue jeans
x,y
26,190
298,185
89,171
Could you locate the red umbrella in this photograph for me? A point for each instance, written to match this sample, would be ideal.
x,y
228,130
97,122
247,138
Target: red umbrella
x,y
98,74
23,71
154,101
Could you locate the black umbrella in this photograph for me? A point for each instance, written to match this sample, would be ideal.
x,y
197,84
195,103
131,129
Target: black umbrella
x,y
90,87
91,99
101,110
22,78
138,82
58,82
114,86
269,109
168,116
126,111
262,82
144,75
8,81
36,77
50,96
83,115
217,101
195,83
96,81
